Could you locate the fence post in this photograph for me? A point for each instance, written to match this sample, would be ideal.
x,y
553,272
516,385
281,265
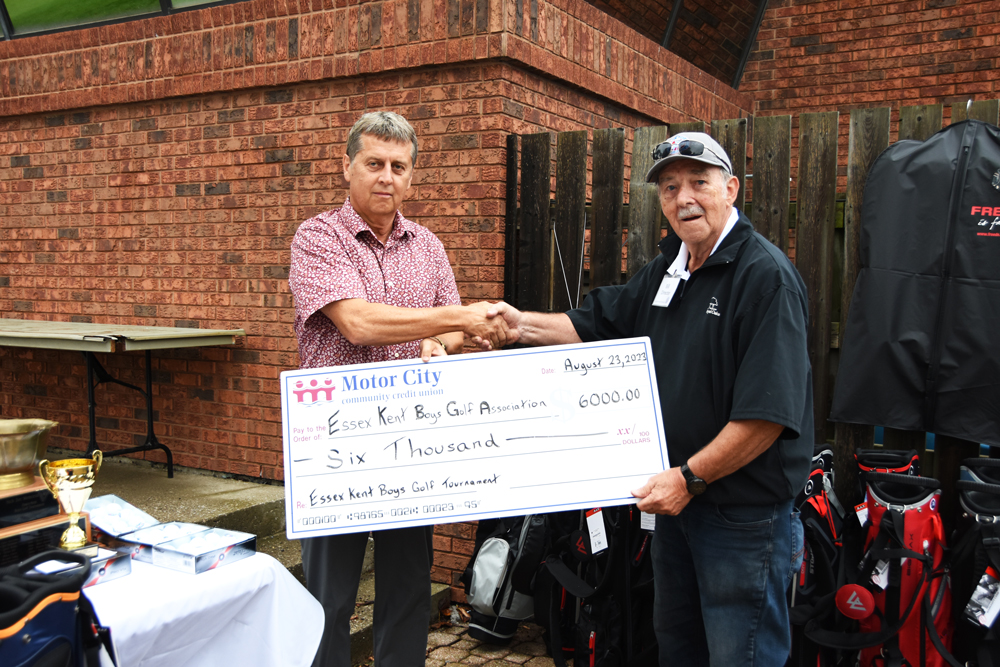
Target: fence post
x,y
732,136
869,136
817,206
772,165
570,218
534,254
608,188
645,217
510,224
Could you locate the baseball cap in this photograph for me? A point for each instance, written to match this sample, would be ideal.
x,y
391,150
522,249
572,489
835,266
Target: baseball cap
x,y
696,146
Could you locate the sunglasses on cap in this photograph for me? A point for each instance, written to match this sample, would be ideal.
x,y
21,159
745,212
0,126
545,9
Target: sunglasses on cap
x,y
688,148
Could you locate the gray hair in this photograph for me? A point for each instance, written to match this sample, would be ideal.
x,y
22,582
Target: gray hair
x,y
385,125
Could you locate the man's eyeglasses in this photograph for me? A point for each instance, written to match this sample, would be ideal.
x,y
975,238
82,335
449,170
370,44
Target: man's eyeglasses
x,y
688,148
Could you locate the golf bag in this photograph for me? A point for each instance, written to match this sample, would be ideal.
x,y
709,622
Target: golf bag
x,y
45,620
823,524
597,608
900,593
499,576
976,564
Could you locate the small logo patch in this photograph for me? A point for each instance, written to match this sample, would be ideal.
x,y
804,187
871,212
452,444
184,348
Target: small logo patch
x,y
855,602
713,307
996,179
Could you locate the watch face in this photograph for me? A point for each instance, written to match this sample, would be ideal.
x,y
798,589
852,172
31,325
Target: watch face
x,y
696,485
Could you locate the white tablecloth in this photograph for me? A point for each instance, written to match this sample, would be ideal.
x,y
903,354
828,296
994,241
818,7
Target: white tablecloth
x,y
251,612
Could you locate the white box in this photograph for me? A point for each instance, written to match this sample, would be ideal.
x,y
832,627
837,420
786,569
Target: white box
x,y
206,550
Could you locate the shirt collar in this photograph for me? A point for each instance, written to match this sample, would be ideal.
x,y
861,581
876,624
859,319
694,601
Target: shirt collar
x,y
678,267
356,225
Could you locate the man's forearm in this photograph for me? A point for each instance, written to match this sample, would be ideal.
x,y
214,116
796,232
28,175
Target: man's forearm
x,y
739,443
546,329
364,323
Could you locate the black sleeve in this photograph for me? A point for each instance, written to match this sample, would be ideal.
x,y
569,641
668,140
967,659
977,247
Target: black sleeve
x,y
774,378
611,312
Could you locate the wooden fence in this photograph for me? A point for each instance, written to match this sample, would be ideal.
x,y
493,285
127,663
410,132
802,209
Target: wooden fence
x,y
545,251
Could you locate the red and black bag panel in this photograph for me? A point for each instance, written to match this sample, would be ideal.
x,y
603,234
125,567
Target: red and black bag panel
x,y
904,564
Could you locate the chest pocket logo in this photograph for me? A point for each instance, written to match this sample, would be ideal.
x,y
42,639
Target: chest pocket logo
x,y
713,308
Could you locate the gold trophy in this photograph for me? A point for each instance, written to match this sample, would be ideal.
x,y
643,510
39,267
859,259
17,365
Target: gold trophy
x,y
70,481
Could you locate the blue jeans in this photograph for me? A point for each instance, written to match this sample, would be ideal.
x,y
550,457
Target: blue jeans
x,y
720,575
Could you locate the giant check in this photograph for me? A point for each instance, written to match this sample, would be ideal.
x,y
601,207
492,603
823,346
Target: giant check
x,y
504,433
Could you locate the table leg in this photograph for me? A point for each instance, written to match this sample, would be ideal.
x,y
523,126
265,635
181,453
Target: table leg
x,y
94,368
92,444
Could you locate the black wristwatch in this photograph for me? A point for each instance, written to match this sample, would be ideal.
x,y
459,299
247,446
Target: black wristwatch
x,y
696,485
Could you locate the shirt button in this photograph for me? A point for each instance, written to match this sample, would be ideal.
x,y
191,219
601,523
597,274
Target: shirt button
x,y
397,354
391,284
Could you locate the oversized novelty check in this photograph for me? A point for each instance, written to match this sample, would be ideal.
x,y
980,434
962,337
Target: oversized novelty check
x,y
504,433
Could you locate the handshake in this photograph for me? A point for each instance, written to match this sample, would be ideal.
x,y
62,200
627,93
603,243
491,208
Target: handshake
x,y
492,326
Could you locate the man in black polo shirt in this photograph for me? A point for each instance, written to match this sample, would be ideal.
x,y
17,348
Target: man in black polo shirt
x,y
726,312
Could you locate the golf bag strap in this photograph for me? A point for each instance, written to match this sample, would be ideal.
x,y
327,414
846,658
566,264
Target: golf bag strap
x,y
567,578
935,637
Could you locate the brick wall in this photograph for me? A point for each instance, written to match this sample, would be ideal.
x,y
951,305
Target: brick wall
x,y
154,172
710,34
814,56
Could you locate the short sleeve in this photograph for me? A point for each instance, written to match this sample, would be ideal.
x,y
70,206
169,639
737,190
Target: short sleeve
x,y
612,311
774,376
321,270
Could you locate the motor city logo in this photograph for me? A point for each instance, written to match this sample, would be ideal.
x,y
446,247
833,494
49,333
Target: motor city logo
x,y
314,392
989,218
713,308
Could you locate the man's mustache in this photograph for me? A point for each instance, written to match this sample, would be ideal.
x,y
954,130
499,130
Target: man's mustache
x,y
690,212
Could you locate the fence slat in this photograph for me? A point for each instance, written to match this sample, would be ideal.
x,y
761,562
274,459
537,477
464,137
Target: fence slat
x,y
569,218
510,224
920,122
693,126
608,188
772,165
732,136
645,218
534,256
869,136
984,110
817,205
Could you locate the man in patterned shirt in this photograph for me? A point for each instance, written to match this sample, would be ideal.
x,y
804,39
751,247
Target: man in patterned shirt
x,y
370,285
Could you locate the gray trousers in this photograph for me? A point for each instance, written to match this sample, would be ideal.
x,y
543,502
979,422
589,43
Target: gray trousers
x,y
403,559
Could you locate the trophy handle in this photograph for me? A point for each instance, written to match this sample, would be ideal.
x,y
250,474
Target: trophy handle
x,y
43,471
98,458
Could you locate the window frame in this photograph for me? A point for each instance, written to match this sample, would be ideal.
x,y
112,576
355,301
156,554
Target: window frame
x,y
166,9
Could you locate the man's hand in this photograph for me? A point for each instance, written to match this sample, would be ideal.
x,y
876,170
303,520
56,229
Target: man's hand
x,y
489,333
430,347
502,314
665,493
510,314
